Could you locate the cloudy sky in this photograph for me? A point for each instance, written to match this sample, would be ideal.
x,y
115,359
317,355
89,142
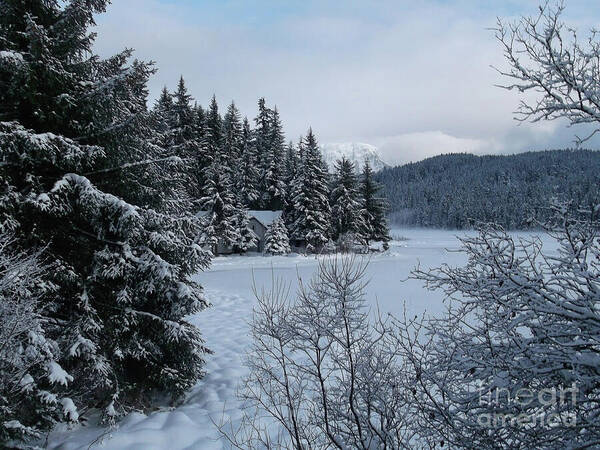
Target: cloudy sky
x,y
412,77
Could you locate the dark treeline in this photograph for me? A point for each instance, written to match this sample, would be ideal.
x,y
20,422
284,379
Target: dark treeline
x,y
457,190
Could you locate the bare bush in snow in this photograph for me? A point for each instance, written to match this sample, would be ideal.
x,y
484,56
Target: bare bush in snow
x,y
322,374
28,370
515,363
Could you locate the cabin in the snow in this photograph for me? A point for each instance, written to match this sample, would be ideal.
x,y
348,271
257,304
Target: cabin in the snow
x,y
259,222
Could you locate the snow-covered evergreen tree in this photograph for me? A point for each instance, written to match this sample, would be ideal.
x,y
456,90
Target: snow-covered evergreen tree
x,y
291,163
75,138
345,201
277,241
374,222
219,209
310,222
203,159
269,145
186,143
274,176
262,136
294,190
170,178
290,170
246,179
164,115
214,130
232,137
246,238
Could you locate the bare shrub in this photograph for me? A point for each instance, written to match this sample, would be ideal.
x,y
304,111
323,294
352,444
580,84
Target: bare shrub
x,y
28,371
321,370
515,362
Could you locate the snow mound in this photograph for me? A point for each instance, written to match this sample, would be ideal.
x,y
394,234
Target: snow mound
x,y
355,152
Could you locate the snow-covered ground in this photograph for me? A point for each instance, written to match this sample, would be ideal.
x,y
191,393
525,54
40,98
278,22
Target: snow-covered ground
x,y
228,286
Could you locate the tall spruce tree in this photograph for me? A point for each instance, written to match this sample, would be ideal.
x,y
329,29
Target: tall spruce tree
x,y
186,143
214,130
294,191
75,138
345,201
203,158
163,114
310,223
232,137
262,136
373,208
169,178
246,180
274,182
291,163
262,143
291,167
220,221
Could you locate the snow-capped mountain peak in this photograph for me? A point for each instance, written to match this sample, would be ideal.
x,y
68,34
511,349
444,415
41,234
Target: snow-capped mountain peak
x,y
354,151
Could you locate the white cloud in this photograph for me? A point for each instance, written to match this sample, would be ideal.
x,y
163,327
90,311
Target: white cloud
x,y
360,73
412,147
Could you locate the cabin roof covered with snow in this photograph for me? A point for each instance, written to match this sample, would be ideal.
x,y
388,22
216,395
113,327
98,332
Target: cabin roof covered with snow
x,y
266,218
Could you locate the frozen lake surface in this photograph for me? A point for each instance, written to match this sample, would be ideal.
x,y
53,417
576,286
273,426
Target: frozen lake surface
x,y
228,286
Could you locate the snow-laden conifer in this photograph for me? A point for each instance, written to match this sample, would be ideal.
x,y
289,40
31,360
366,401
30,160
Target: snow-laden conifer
x,y
232,137
247,176
310,222
81,167
346,208
219,209
246,238
274,176
374,225
277,241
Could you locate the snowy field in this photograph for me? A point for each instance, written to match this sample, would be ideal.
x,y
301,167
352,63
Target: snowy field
x,y
228,286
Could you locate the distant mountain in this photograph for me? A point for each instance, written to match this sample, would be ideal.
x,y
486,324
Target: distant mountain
x,y
355,152
515,191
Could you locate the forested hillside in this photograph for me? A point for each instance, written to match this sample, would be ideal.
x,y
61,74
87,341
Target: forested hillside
x,y
454,191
